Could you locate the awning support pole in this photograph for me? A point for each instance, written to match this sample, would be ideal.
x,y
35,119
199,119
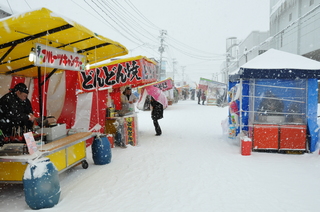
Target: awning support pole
x,y
40,90
49,75
240,106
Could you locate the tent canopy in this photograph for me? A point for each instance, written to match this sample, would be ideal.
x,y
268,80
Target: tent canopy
x,y
275,64
20,33
205,83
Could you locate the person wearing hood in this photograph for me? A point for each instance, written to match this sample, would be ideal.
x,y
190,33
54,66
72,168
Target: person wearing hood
x,y
16,110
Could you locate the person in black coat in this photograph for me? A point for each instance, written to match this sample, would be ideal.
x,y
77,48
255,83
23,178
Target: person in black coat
x,y
16,110
156,114
199,96
203,97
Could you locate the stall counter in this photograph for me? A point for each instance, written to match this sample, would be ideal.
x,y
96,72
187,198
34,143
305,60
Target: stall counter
x,y
64,153
280,136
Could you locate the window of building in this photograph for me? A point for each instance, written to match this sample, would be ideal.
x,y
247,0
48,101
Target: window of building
x,y
290,16
311,2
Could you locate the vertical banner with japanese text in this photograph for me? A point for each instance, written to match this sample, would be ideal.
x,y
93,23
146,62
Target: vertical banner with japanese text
x,y
130,129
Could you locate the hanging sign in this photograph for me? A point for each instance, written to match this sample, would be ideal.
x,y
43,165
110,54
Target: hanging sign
x,y
48,56
163,85
123,73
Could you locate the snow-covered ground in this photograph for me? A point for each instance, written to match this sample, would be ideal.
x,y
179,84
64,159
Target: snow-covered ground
x,y
191,167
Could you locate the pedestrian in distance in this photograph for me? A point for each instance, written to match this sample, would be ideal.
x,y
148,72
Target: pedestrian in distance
x,y
199,96
156,114
203,97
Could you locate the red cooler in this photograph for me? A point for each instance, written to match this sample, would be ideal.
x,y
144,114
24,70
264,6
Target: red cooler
x,y
246,146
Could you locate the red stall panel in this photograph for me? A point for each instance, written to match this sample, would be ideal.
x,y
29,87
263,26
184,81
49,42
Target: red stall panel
x,y
265,136
293,137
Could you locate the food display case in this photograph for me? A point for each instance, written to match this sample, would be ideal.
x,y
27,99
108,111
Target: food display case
x,y
278,115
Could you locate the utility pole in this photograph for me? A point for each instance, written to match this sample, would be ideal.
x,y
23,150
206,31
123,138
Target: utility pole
x,y
174,62
230,43
183,67
161,48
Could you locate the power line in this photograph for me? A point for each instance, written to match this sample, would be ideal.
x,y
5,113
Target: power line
x,y
28,4
10,6
190,47
132,19
124,19
127,20
108,21
200,57
115,19
141,15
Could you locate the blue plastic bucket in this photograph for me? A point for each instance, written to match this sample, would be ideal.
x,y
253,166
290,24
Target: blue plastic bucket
x,y
101,151
41,184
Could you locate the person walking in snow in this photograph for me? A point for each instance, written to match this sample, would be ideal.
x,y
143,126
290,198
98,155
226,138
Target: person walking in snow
x,y
199,96
203,97
156,114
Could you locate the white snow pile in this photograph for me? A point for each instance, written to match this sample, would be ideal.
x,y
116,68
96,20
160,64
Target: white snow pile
x,y
38,168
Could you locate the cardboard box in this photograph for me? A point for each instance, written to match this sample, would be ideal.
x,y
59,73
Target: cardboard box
x,y
54,132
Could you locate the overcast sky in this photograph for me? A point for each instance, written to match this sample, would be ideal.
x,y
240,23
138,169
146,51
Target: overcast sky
x,y
196,29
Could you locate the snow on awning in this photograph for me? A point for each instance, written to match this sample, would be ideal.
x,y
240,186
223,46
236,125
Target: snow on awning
x,y
20,33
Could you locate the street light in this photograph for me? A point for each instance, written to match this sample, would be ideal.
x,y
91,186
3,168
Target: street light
x,y
229,45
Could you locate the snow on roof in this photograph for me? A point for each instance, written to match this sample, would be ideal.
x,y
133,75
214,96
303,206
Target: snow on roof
x,y
276,59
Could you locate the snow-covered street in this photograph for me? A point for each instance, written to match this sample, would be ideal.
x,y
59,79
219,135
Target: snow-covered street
x,y
192,166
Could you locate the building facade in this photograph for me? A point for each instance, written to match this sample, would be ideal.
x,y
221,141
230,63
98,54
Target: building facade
x,y
294,28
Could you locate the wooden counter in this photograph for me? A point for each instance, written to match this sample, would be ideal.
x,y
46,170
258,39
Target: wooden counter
x,y
64,153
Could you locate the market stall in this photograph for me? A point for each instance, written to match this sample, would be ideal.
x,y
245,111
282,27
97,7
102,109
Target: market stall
x,y
274,101
183,92
37,51
216,92
111,80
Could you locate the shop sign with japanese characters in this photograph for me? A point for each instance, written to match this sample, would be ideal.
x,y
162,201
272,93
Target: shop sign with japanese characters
x,y
120,74
164,85
47,56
